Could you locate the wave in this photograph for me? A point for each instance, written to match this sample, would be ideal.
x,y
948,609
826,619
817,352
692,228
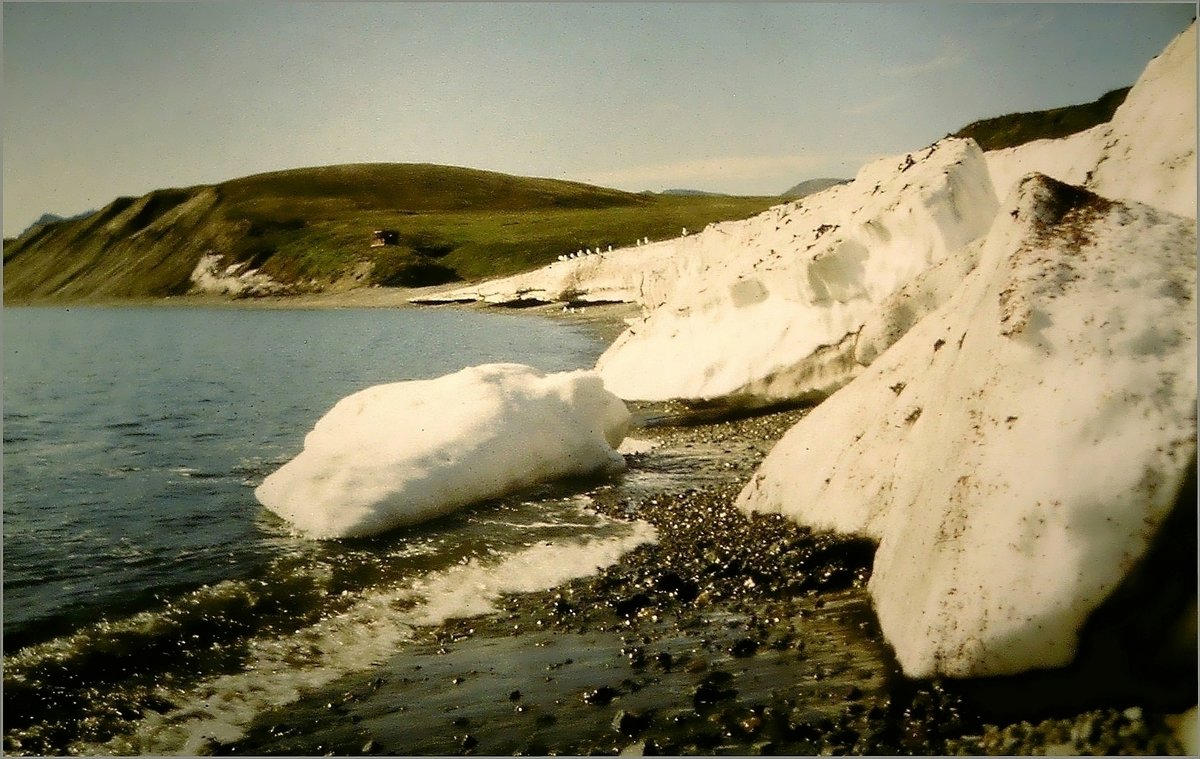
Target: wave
x,y
200,668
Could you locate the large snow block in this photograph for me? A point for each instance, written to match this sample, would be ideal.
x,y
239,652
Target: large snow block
x,y
1017,449
768,310
397,454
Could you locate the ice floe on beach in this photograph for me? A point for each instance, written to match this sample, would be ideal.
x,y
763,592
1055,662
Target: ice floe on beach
x,y
397,454
1018,448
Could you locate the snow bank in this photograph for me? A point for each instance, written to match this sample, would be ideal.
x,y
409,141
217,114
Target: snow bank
x,y
768,309
1147,152
210,277
397,454
625,275
1016,450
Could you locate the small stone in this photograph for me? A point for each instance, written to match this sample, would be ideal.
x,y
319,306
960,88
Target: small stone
x,y
370,746
743,647
695,665
629,723
599,696
713,689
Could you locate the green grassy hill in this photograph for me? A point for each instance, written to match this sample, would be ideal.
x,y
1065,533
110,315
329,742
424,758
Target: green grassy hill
x,y
1014,129
311,229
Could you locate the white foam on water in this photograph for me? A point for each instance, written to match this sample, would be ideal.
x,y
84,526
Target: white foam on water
x,y
635,445
363,636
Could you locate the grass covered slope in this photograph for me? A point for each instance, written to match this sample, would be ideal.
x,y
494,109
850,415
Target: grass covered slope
x,y
310,230
1014,129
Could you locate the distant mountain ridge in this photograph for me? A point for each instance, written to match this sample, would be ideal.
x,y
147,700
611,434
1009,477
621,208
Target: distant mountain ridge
x,y
306,230
53,218
694,193
810,186
1010,130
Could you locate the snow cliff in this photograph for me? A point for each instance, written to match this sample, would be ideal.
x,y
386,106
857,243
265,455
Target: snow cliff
x,y
397,454
791,304
769,309
1029,414
1016,450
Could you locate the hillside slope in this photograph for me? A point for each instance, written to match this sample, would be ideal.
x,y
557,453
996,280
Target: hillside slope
x,y
306,230
1013,129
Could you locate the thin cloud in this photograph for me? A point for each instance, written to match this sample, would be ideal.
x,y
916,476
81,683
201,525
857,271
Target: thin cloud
x,y
723,169
1023,24
871,106
950,56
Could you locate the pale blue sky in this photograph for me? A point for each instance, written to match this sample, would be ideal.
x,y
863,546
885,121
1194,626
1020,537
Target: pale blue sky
x,y
109,99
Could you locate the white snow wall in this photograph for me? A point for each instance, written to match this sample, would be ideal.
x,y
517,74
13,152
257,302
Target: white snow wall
x,y
768,309
1016,450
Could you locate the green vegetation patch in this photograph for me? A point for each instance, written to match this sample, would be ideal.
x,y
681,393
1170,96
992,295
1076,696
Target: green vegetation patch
x,y
1015,129
439,247
311,228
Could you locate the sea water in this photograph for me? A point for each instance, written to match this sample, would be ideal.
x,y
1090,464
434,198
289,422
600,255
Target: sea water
x,y
150,603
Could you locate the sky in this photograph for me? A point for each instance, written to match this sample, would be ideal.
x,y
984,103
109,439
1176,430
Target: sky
x,y
102,100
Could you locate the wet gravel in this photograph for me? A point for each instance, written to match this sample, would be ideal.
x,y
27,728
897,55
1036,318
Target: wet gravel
x,y
732,634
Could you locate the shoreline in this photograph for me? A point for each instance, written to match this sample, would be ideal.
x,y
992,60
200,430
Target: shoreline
x,y
729,635
606,320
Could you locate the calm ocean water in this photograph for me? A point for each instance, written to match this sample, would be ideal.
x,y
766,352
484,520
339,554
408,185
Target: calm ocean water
x,y
150,603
